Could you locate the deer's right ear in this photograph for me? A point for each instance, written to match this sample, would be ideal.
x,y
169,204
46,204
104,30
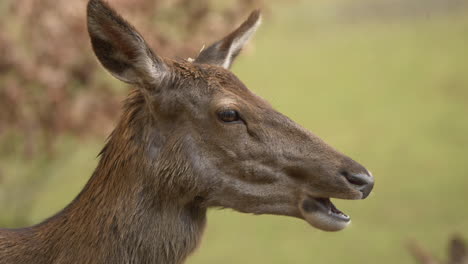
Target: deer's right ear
x,y
223,52
120,48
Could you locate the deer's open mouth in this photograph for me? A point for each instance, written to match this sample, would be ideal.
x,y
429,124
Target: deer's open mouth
x,y
322,214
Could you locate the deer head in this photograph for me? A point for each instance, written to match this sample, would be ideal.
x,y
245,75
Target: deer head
x,y
205,137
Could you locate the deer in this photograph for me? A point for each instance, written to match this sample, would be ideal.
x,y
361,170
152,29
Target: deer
x,y
191,136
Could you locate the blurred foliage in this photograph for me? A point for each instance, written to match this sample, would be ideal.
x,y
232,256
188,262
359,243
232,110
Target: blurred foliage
x,y
385,81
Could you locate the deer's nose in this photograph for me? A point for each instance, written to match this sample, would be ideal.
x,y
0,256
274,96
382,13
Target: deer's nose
x,y
364,182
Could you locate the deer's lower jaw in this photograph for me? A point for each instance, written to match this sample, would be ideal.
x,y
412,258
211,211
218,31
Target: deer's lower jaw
x,y
322,214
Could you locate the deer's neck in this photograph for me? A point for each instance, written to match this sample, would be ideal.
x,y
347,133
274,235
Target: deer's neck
x,y
121,218
124,224
137,208
131,211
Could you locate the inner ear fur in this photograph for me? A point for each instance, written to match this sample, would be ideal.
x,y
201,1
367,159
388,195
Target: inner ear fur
x,y
224,51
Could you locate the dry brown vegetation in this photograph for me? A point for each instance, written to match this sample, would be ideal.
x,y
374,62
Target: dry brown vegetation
x,y
457,253
49,77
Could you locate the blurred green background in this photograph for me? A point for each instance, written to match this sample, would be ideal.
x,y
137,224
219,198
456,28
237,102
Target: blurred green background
x,y
385,82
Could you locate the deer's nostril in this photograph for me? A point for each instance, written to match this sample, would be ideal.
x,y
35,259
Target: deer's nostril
x,y
345,174
357,179
363,182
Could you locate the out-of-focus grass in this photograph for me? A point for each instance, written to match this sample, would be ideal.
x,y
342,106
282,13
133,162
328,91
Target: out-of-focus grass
x,y
43,185
392,95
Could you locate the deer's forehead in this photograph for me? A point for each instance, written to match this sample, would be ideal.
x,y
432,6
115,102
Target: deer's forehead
x,y
206,81
213,78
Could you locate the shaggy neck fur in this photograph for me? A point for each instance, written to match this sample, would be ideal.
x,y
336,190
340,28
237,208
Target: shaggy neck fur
x,y
123,215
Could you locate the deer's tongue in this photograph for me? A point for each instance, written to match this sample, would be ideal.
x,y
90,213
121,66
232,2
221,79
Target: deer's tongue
x,y
322,214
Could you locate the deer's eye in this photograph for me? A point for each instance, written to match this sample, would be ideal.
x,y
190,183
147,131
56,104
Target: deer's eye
x,y
228,116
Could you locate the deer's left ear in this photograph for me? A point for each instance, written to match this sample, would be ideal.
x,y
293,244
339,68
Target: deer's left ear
x,y
223,52
120,48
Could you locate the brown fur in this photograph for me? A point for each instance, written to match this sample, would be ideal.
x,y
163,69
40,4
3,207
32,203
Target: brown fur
x,y
170,158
